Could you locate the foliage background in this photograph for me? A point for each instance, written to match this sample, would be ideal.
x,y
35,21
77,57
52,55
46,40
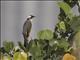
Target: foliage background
x,y
49,45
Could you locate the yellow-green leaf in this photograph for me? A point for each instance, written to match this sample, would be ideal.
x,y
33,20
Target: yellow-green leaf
x,y
62,26
5,57
66,8
20,56
45,34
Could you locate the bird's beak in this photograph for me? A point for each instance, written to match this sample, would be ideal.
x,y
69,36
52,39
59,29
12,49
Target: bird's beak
x,y
33,16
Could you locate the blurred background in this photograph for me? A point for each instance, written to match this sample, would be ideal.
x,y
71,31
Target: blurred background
x,y
14,14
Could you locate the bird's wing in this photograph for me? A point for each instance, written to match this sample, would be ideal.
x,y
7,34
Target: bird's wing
x,y
27,27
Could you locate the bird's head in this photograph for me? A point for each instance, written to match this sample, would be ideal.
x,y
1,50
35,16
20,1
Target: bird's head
x,y
30,17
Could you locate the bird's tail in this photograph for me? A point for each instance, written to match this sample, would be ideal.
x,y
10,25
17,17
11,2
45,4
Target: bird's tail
x,y
25,40
26,43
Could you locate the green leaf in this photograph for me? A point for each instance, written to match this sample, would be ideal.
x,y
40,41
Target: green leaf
x,y
52,42
66,8
75,23
45,34
61,26
35,50
63,44
8,46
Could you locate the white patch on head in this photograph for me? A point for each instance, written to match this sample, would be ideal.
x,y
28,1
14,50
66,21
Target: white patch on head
x,y
29,16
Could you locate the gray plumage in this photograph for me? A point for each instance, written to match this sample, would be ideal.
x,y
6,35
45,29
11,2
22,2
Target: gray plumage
x,y
26,29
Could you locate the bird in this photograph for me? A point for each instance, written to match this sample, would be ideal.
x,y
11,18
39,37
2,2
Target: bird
x,y
27,29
